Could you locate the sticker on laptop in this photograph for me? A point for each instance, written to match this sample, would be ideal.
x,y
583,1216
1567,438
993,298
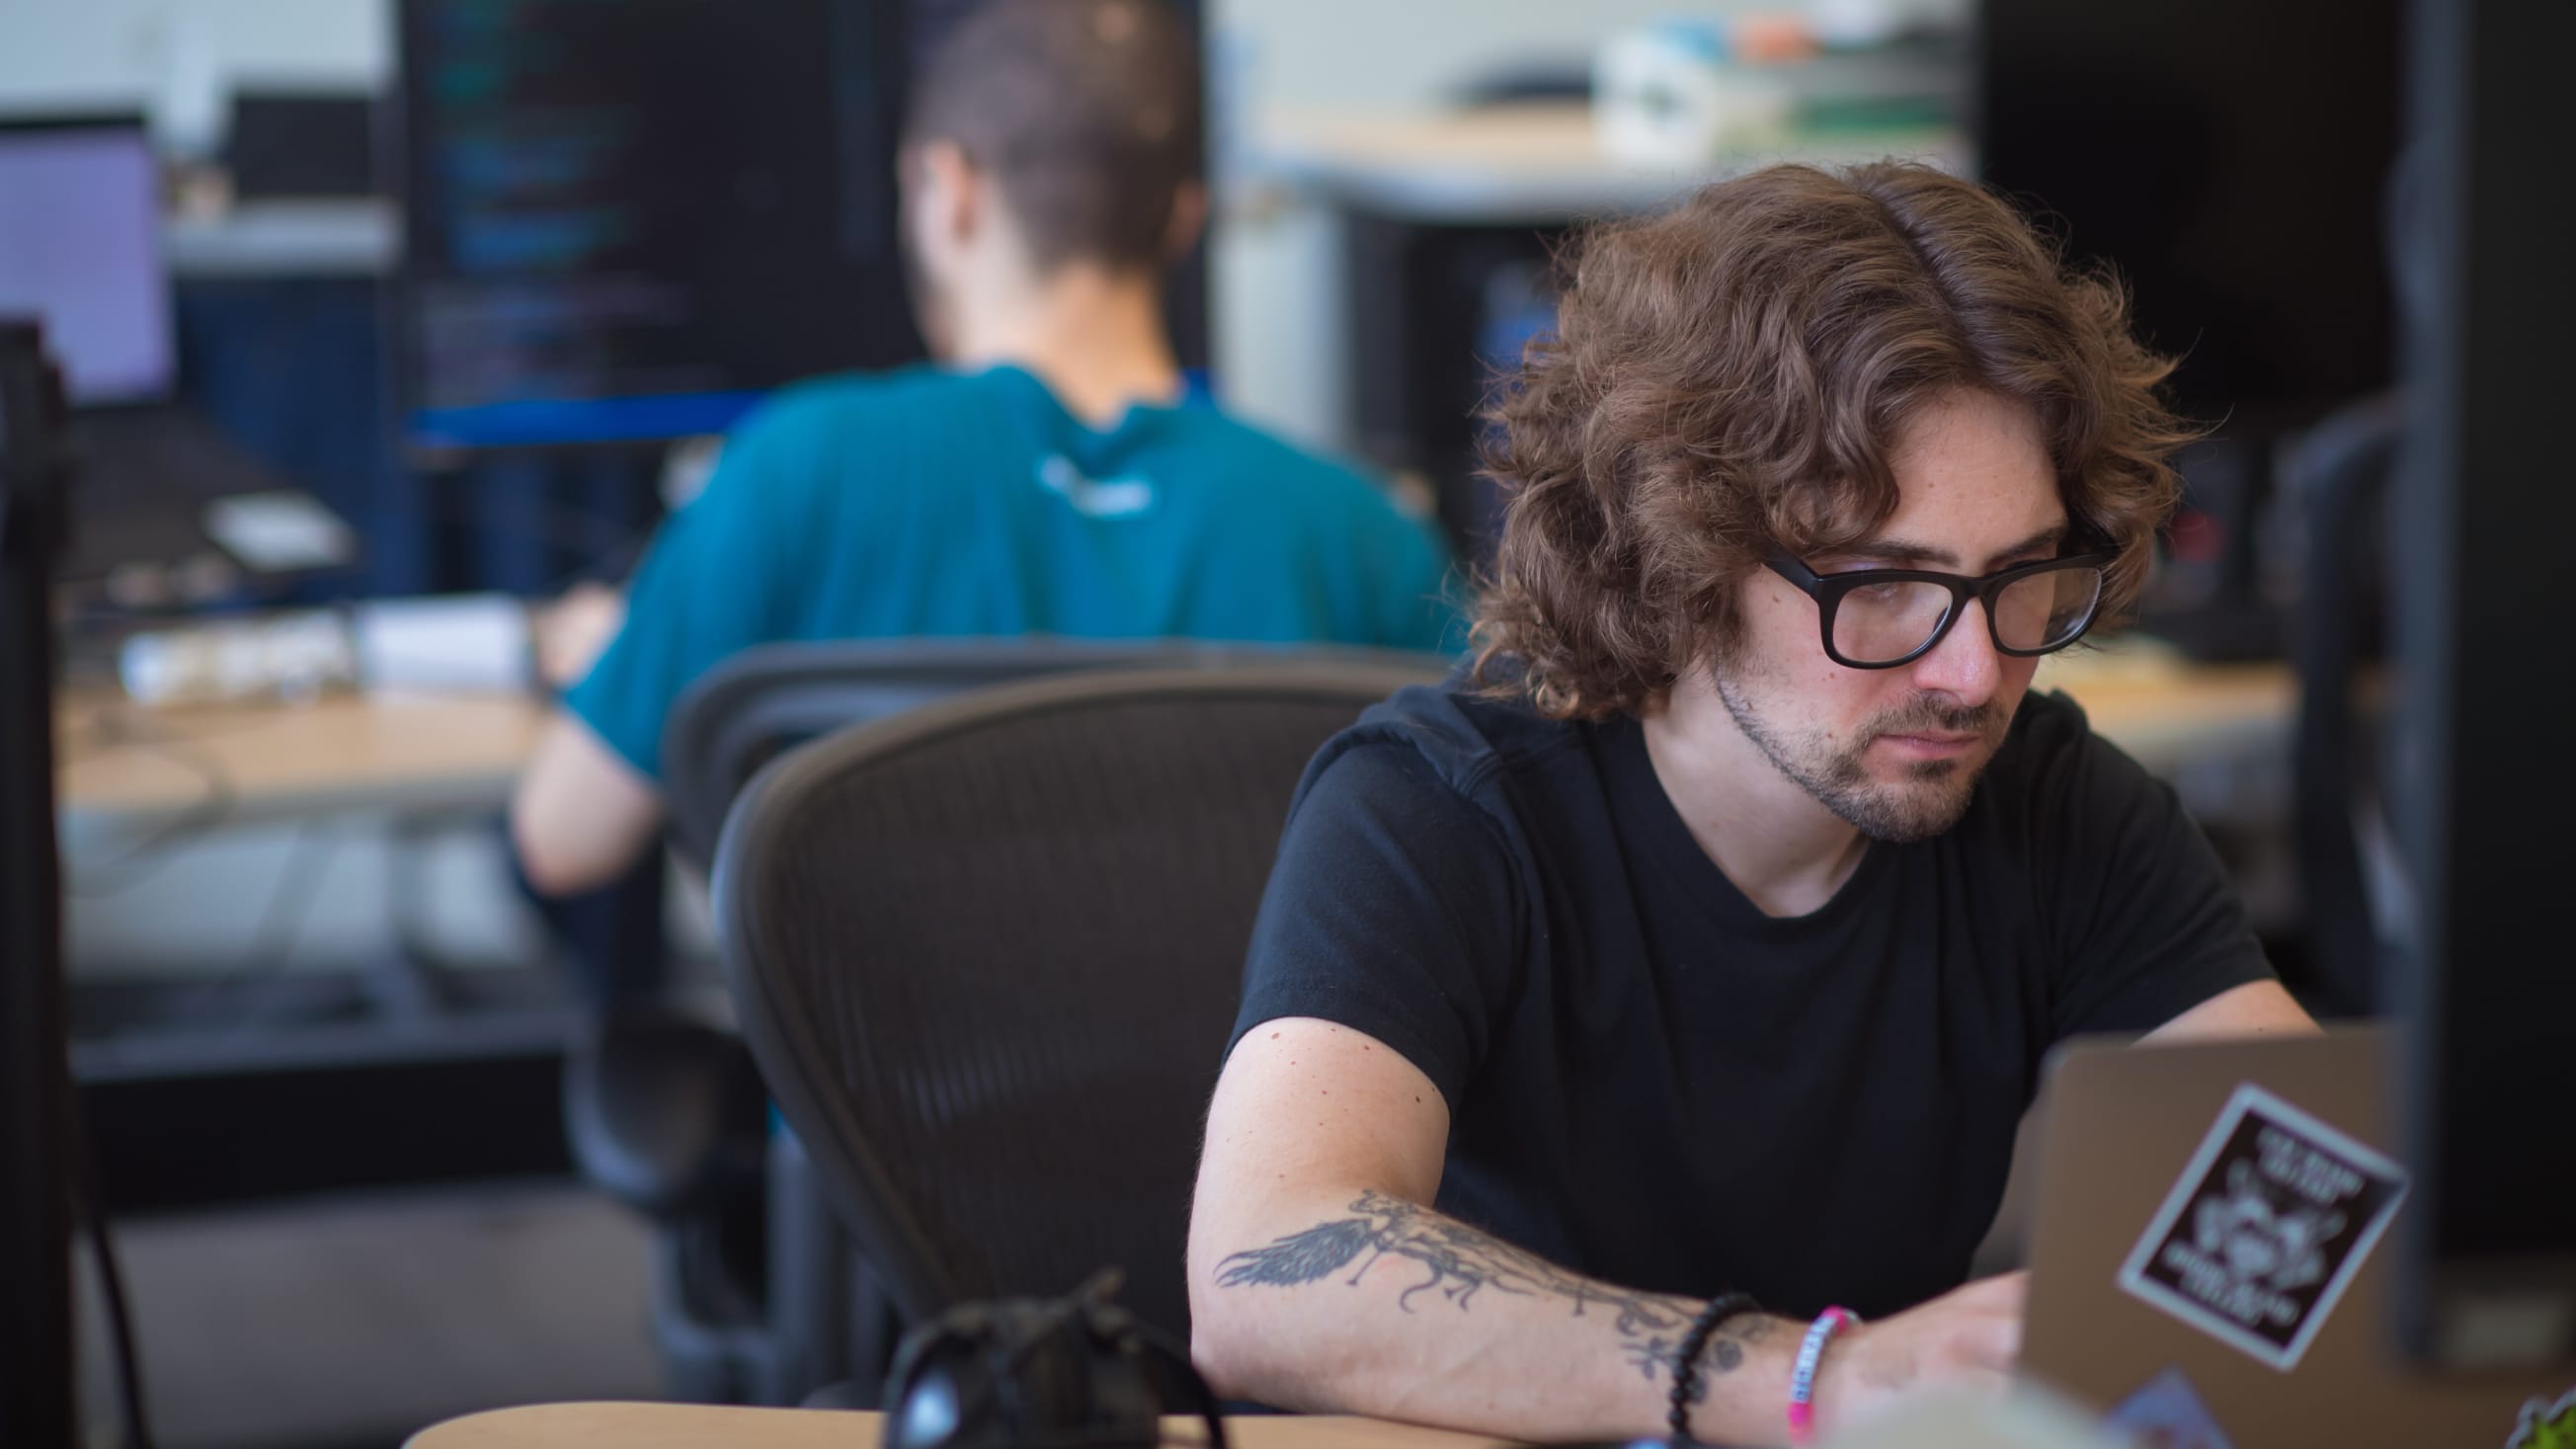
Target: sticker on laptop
x,y
2545,1425
2265,1229
2166,1412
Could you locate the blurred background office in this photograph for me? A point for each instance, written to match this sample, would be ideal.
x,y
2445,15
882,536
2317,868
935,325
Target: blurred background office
x,y
378,412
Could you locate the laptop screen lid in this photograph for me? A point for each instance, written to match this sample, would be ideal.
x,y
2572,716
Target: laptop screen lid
x,y
2211,1226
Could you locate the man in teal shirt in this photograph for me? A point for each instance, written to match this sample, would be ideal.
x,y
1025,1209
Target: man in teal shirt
x,y
1047,475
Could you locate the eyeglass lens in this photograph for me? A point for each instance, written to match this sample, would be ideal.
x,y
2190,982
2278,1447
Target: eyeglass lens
x,y
1879,623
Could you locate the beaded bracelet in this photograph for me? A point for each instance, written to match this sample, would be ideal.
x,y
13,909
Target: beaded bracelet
x,y
1720,1308
1802,1378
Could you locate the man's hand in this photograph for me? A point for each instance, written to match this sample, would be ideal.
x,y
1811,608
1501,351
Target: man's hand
x,y
1969,1337
572,631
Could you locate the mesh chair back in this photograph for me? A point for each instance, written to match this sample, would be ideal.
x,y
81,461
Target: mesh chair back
x,y
759,703
988,954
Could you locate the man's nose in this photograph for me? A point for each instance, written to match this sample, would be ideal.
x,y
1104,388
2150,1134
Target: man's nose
x,y
1964,665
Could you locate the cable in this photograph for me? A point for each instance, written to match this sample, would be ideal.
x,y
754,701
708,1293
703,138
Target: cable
x,y
151,855
289,908
272,936
89,1205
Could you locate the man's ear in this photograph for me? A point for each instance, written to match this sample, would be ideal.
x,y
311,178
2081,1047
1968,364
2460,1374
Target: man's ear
x,y
954,195
1189,218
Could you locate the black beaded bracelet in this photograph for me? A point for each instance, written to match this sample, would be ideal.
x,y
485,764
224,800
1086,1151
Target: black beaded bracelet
x,y
1720,1308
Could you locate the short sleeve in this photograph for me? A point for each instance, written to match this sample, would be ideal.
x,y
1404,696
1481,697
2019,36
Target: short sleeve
x,y
716,581
1391,911
2143,920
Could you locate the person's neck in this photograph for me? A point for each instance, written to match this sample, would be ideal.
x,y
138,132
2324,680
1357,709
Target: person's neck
x,y
1093,336
1776,842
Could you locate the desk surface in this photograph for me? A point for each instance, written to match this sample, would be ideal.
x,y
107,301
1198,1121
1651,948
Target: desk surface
x,y
116,758
350,752
1534,164
696,1426
352,237
2168,713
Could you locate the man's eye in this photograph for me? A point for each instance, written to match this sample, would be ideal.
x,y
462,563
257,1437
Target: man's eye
x,y
1886,593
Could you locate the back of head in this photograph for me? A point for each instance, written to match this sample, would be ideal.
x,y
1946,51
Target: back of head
x,y
1086,113
1731,376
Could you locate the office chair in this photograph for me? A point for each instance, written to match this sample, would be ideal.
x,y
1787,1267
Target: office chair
x,y
988,953
2338,475
755,1294
755,705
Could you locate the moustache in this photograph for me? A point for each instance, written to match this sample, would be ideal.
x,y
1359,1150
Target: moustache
x,y
1927,712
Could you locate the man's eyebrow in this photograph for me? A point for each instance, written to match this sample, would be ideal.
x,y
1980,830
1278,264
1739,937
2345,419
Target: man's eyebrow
x,y
1905,553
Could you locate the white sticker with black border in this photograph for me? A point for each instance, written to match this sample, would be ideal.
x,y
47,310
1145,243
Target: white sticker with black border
x,y
2265,1229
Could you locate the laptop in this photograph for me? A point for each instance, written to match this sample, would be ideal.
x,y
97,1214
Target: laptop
x,y
159,488
2210,1255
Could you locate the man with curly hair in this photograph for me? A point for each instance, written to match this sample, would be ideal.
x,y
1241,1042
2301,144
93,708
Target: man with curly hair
x,y
1708,940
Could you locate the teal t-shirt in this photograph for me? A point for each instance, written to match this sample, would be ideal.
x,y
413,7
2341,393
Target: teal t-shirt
x,y
926,503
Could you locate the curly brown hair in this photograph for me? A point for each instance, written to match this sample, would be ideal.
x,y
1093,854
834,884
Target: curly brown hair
x,y
1729,377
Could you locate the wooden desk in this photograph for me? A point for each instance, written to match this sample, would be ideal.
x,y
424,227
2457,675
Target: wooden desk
x,y
2170,714
116,759
698,1426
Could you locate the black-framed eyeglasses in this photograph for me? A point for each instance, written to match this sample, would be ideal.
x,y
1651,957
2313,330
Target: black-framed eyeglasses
x,y
1881,618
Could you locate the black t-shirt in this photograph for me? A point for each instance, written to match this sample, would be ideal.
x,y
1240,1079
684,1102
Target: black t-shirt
x,y
1652,1082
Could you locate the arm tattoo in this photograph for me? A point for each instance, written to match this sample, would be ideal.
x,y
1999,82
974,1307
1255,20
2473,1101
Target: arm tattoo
x,y
1460,1263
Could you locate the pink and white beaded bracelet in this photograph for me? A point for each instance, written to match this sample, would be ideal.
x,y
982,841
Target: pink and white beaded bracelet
x,y
1802,1377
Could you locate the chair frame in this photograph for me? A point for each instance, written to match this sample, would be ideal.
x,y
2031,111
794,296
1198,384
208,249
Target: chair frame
x,y
808,689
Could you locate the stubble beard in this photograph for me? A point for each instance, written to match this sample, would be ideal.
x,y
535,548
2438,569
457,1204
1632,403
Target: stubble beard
x,y
1934,795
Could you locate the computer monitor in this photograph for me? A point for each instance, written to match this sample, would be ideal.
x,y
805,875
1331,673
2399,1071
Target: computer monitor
x,y
627,221
2481,791
301,145
80,250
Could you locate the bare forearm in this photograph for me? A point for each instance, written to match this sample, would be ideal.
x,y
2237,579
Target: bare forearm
x,y
581,815
1376,1305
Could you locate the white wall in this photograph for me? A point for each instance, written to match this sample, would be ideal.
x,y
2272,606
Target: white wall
x,y
178,59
